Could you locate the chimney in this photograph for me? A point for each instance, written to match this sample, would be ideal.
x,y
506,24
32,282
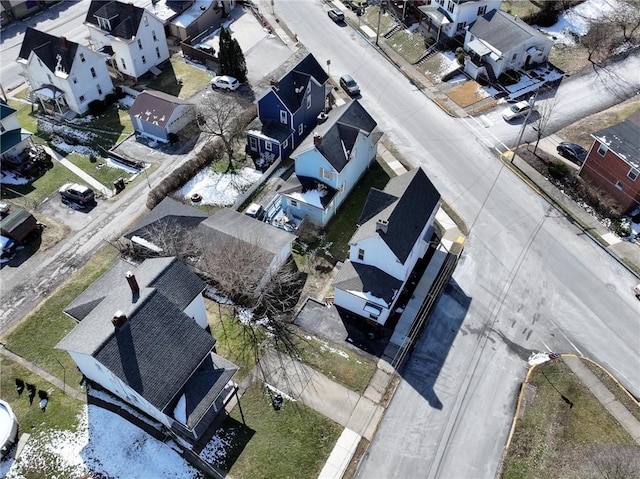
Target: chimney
x,y
317,139
275,84
132,7
381,226
133,284
119,319
63,42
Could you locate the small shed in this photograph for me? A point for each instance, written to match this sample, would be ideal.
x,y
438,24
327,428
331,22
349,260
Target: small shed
x,y
18,225
158,115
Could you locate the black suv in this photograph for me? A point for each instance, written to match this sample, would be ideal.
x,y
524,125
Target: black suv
x,y
349,85
75,194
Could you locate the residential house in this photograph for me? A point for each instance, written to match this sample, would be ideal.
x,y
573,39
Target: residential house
x,y
498,42
141,336
199,17
448,18
394,232
64,76
159,115
170,218
613,162
13,139
329,163
132,38
287,112
11,10
269,247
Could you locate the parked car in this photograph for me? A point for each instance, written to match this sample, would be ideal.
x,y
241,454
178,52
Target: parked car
x,y
350,4
203,47
225,82
8,428
516,110
255,211
336,15
572,152
7,249
349,85
74,193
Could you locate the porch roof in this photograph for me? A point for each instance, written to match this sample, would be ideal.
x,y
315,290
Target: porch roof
x,y
438,15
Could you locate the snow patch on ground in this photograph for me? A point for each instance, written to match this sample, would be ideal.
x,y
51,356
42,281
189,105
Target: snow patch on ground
x,y
8,178
221,189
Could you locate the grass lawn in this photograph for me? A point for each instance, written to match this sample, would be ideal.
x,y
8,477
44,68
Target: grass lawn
x,y
520,8
181,79
553,440
98,170
370,18
25,118
62,409
294,442
409,45
34,338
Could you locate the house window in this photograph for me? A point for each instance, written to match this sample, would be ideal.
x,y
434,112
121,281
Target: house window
x,y
373,310
602,149
81,98
144,60
158,52
139,44
482,10
283,116
360,254
146,21
461,25
93,72
82,58
308,101
253,143
450,6
124,65
285,143
301,129
513,58
619,185
268,146
99,90
327,174
633,174
49,77
153,34
293,203
75,80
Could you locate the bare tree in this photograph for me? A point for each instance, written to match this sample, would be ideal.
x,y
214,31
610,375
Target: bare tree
x,y
626,20
616,462
222,116
597,40
545,112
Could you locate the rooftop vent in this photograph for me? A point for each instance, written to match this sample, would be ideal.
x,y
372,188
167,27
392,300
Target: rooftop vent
x,y
119,319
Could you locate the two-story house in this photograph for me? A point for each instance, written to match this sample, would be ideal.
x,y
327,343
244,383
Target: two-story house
x,y
287,112
448,18
13,138
613,162
498,42
141,336
394,232
329,163
133,38
64,76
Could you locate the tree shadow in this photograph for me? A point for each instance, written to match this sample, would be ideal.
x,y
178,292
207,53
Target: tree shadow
x,y
236,436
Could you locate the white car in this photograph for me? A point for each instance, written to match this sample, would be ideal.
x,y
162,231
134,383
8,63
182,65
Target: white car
x,y
225,82
516,110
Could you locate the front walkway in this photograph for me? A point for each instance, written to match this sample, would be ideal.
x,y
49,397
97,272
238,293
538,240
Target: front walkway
x,y
86,177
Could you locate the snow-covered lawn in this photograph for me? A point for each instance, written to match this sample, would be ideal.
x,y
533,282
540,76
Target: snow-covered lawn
x,y
220,189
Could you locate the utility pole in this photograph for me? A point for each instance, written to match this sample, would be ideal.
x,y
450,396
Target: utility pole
x,y
532,102
379,17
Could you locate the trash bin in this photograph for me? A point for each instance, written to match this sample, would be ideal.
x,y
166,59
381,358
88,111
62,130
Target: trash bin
x,y
118,185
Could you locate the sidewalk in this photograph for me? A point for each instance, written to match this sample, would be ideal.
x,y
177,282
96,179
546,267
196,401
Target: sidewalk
x,y
87,178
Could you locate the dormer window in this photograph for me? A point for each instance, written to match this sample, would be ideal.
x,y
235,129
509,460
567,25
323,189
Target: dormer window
x,y
139,44
482,10
104,24
283,116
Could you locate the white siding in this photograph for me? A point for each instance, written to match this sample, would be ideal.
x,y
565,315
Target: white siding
x,y
356,305
197,311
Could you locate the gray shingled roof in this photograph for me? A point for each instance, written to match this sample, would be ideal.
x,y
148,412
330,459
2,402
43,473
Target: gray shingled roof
x,y
168,211
299,76
624,139
341,128
124,18
49,49
502,31
302,184
155,107
367,279
416,198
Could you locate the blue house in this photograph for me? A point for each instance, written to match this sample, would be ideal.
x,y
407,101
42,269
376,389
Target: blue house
x,y
329,163
287,112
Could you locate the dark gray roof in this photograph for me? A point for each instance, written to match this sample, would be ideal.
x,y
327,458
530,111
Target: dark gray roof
x,y
623,139
49,49
302,184
367,279
168,211
155,107
416,199
341,128
5,110
276,130
298,77
124,18
502,31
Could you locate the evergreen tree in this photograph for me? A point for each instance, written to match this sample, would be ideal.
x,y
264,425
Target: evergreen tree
x,y
230,57
238,64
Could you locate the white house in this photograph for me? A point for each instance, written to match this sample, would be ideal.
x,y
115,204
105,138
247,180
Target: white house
x,y
64,76
159,115
329,163
141,337
13,138
132,37
499,42
394,231
449,18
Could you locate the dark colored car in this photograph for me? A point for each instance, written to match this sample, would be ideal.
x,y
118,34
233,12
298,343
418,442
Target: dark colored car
x,y
350,4
203,47
572,152
74,194
349,85
336,15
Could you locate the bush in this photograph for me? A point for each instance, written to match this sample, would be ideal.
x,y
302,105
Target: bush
x,y
109,99
621,227
119,93
96,107
558,169
510,77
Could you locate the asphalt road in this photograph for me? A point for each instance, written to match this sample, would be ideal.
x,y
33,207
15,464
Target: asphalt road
x,y
528,280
